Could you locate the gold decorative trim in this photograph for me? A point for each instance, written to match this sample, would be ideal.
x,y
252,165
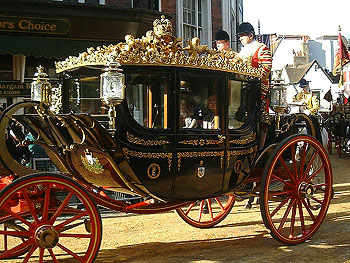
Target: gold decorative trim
x,y
202,142
141,155
93,166
244,139
161,48
234,153
181,155
133,139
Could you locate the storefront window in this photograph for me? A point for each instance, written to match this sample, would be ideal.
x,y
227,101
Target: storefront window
x,y
147,97
198,101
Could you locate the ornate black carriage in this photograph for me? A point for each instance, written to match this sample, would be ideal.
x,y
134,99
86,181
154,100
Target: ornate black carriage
x,y
173,126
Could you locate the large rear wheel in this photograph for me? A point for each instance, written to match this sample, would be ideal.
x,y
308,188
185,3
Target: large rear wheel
x,y
208,212
296,189
57,218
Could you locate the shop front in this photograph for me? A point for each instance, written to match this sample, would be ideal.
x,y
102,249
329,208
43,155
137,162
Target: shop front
x,y
34,33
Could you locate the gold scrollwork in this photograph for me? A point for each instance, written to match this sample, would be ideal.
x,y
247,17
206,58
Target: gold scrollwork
x,y
235,153
161,48
244,139
136,140
202,142
181,155
141,155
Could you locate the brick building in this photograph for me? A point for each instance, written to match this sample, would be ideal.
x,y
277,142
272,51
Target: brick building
x,y
39,32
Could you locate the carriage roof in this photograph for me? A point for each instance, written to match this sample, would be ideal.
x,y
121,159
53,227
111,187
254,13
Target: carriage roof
x,y
160,48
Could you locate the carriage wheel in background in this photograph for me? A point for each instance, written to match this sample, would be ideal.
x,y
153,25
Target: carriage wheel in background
x,y
296,189
50,224
208,212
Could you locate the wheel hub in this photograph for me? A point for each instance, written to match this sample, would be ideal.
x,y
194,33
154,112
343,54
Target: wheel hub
x,y
47,236
306,190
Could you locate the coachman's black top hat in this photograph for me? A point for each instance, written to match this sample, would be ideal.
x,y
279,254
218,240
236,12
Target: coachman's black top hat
x,y
245,28
222,35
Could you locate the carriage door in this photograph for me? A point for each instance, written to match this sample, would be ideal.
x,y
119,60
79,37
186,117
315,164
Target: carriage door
x,y
200,140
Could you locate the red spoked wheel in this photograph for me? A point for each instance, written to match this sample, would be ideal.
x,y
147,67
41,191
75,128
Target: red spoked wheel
x,y
296,189
58,218
208,212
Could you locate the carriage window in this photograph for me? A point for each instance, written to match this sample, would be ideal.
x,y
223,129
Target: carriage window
x,y
198,101
236,113
147,97
84,95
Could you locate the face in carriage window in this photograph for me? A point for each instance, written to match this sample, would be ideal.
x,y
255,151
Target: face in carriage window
x,y
198,101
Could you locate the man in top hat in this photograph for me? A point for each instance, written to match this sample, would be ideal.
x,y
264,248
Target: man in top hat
x,y
310,102
222,40
257,55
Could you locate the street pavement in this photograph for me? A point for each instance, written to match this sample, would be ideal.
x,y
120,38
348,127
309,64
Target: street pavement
x,y
241,237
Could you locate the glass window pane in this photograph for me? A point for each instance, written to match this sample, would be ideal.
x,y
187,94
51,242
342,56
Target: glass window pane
x,y
147,98
236,112
198,101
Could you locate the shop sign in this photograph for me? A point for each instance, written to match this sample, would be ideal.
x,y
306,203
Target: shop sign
x,y
34,25
14,89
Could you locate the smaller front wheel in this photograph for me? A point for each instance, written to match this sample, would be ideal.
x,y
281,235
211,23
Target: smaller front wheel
x,y
47,224
296,189
208,212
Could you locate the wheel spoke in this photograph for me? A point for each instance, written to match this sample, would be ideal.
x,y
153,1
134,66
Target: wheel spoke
x,y
292,221
280,180
220,204
15,233
60,209
190,208
60,226
15,249
46,204
286,168
30,253
18,217
210,209
41,255
301,216
279,206
75,235
308,210
278,193
293,160
53,255
308,167
201,210
286,213
70,252
309,179
31,207
317,200
302,161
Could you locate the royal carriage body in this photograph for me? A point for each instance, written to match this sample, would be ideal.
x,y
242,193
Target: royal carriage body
x,y
175,125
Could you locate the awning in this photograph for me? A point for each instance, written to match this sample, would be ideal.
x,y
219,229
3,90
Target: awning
x,y
46,47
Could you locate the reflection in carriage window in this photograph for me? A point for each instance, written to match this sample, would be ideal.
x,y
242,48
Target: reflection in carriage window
x,y
147,97
198,101
84,96
236,109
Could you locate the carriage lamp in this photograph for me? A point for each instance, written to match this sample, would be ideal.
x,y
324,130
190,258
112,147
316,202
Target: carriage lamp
x,y
112,89
41,87
278,102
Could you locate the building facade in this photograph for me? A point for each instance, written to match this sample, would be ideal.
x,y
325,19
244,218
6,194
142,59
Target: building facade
x,y
39,32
